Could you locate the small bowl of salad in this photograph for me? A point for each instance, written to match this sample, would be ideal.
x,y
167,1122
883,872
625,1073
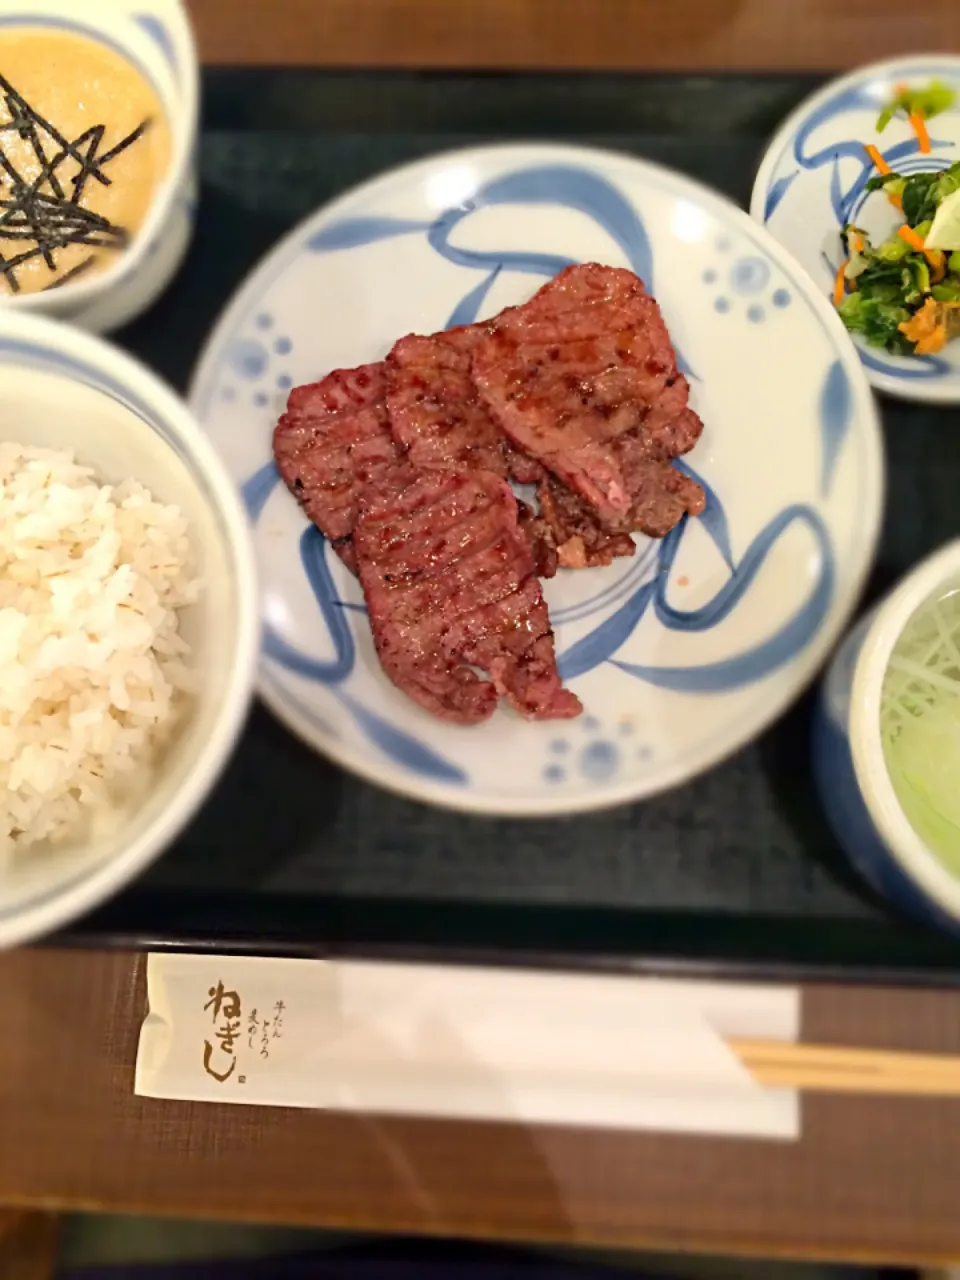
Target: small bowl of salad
x,y
862,184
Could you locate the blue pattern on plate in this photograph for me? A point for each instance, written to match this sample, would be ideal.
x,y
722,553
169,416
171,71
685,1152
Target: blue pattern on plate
x,y
713,518
402,747
762,659
603,641
749,275
586,192
528,261
836,410
160,35
847,199
637,571
397,744
567,185
599,760
635,591
249,358
842,200
351,233
468,308
258,489
776,193
911,367
601,644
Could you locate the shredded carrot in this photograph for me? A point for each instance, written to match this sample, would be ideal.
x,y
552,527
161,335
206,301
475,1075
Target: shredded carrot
x,y
919,126
899,89
840,285
878,161
882,167
857,241
935,257
926,329
911,237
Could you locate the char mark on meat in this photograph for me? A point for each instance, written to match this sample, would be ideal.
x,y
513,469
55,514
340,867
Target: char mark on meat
x,y
438,420
450,587
435,414
332,440
578,372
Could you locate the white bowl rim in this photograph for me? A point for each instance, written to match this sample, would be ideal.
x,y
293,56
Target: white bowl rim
x,y
809,662
914,390
58,907
906,847
183,127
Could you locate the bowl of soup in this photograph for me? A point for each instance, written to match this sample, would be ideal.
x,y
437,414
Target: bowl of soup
x,y
98,128
886,742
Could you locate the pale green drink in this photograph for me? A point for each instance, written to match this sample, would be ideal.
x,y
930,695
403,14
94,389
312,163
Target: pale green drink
x,y
920,724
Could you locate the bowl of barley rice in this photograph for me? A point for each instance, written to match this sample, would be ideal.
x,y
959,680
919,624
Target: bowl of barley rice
x,y
128,622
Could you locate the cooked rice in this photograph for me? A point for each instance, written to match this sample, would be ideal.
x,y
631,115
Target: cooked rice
x,y
92,674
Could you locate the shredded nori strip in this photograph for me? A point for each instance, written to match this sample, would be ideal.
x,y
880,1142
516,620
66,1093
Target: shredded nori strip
x,y
48,218
71,274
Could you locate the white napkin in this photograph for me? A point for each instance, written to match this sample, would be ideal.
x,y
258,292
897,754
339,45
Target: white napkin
x,y
494,1044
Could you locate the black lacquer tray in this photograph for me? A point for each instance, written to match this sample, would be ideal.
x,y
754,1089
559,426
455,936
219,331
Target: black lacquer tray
x,y
736,872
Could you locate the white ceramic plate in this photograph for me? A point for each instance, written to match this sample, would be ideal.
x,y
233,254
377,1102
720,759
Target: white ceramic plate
x,y
679,655
811,183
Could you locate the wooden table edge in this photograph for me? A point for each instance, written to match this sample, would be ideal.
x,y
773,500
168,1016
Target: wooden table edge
x,y
686,35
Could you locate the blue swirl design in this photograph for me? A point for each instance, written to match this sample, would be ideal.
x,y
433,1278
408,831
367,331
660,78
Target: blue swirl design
x,y
351,233
846,200
601,644
644,584
159,34
908,367
776,193
396,744
713,518
258,489
569,186
468,308
836,410
842,198
638,571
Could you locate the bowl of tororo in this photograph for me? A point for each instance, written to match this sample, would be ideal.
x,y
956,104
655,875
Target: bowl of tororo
x,y
98,125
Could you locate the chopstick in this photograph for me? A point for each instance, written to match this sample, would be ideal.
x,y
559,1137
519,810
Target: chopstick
x,y
828,1068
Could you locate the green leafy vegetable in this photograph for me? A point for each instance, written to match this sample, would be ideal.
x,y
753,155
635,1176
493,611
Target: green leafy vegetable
x,y
877,320
920,198
921,194
893,250
892,282
948,182
930,101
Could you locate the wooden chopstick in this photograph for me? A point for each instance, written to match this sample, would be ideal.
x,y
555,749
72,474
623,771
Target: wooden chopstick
x,y
829,1068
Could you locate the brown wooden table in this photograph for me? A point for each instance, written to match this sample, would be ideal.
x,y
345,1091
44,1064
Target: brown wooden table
x,y
871,1178
685,35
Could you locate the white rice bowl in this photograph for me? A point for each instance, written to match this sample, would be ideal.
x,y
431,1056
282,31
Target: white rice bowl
x,y
94,676
128,622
